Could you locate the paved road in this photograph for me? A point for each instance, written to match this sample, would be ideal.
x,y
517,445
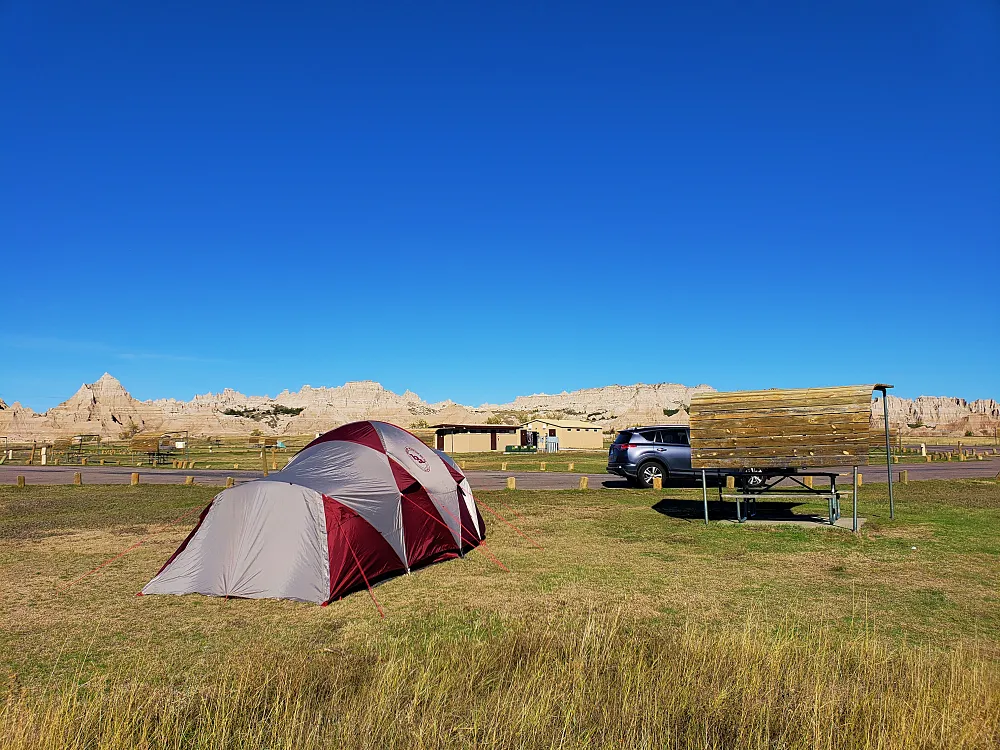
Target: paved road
x,y
485,480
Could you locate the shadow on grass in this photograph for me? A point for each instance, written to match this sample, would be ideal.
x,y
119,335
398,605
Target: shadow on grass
x,y
726,511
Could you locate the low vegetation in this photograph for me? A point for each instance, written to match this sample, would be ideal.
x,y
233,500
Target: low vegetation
x,y
269,415
635,626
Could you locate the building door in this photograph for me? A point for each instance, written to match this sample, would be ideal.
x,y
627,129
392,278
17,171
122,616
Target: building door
x,y
524,437
493,440
440,441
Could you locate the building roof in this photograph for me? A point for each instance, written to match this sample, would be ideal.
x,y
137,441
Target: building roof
x,y
579,423
491,427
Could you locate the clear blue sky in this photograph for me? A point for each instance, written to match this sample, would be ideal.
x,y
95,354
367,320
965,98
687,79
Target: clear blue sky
x,y
479,203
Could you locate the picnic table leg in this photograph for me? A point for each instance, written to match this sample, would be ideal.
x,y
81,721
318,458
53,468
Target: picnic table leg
x,y
855,511
704,494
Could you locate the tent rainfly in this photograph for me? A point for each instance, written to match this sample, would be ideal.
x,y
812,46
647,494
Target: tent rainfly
x,y
360,504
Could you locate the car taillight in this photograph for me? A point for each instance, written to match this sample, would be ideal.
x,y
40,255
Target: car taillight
x,y
626,446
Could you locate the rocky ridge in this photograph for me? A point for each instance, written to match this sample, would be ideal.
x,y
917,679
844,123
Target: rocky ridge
x,y
106,408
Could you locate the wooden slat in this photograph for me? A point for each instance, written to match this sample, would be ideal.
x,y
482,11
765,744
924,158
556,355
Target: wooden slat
x,y
777,451
852,403
828,424
793,443
779,394
794,462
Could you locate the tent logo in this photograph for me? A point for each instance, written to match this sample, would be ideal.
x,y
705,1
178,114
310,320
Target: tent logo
x,y
419,460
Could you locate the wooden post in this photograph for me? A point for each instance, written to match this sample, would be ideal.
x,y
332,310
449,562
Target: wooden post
x,y
570,466
230,482
961,453
503,466
83,461
31,458
511,483
808,482
904,477
541,466
236,466
929,459
188,480
860,482
78,478
263,461
730,482
584,483
461,465
135,478
20,481
657,483
191,464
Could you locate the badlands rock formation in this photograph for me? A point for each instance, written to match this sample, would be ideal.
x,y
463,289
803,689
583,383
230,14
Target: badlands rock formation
x,y
107,409
928,415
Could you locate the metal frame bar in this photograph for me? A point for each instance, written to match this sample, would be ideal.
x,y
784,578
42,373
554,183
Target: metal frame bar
x,y
888,447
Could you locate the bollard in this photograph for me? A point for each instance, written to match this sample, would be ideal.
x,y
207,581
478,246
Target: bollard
x,y
78,478
503,466
511,483
570,467
657,483
191,464
979,456
20,481
83,461
859,480
929,459
461,465
541,466
904,476
135,478
230,482
236,466
584,483
102,462
730,482
895,459
274,466
808,482
188,480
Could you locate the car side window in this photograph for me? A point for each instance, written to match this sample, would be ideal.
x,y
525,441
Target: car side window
x,y
650,437
675,437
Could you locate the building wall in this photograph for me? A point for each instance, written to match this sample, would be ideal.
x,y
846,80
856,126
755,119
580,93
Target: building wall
x,y
477,442
570,438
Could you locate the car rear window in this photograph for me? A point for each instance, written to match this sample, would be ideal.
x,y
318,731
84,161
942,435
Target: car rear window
x,y
623,437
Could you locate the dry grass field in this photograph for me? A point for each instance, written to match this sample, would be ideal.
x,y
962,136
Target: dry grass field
x,y
631,628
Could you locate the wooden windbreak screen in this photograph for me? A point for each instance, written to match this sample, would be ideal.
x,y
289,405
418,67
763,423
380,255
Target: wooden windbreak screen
x,y
781,428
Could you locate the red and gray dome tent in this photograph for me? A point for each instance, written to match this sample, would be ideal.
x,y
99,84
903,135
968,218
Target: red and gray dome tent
x,y
362,503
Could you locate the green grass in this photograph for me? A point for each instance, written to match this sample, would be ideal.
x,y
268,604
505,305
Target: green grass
x,y
630,628
584,462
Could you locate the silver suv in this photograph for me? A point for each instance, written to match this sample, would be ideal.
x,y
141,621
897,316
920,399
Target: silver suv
x,y
642,454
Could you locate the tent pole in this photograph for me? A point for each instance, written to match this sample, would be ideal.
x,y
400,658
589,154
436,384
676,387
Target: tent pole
x,y
704,494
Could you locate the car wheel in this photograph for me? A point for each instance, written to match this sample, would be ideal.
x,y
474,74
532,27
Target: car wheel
x,y
649,471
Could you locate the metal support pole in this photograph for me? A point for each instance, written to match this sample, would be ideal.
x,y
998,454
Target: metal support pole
x,y
855,511
704,494
888,452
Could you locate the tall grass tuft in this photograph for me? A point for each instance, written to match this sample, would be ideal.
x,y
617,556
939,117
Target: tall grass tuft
x,y
590,680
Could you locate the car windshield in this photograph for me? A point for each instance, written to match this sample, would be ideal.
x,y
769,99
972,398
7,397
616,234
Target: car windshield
x,y
623,437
